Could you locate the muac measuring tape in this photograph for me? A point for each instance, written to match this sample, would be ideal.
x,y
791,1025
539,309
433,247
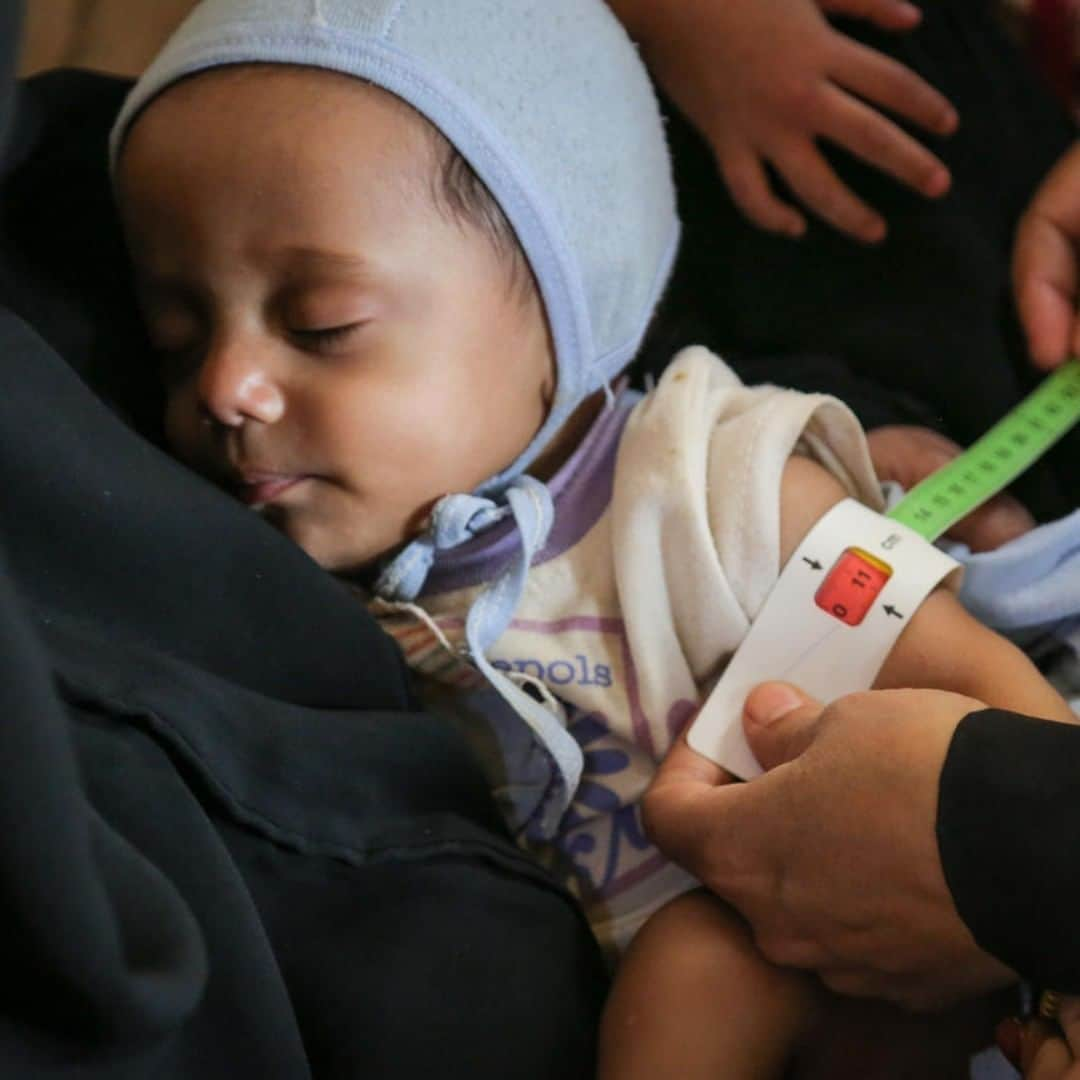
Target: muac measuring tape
x,y
847,592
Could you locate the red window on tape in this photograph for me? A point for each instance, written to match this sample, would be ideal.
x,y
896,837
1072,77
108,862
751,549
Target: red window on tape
x,y
852,585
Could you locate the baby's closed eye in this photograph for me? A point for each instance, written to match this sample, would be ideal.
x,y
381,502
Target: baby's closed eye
x,y
325,338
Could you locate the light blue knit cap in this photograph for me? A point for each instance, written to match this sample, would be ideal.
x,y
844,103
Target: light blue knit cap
x,y
550,104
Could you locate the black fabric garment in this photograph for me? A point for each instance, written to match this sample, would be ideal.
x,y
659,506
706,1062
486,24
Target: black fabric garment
x,y
1008,823
230,846
919,330
64,269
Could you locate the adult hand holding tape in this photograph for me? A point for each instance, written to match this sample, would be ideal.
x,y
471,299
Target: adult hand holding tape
x,y
851,785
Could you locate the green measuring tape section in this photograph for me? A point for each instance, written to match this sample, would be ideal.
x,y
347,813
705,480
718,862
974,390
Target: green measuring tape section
x,y
933,506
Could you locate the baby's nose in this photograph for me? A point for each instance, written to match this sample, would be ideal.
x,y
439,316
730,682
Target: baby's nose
x,y
235,385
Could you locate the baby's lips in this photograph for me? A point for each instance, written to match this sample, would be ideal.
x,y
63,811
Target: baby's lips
x,y
255,489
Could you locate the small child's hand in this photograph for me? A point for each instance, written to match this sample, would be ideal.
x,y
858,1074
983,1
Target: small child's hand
x,y
907,454
764,79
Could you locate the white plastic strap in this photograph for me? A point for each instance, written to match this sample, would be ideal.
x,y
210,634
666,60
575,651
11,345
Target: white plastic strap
x,y
830,621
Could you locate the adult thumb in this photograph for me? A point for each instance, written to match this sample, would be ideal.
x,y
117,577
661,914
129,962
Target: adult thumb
x,y
780,722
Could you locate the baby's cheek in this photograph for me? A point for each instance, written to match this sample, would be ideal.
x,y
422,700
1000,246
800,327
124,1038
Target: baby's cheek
x,y
191,441
340,531
181,432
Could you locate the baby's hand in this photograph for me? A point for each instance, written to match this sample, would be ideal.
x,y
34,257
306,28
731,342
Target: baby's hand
x,y
763,79
907,454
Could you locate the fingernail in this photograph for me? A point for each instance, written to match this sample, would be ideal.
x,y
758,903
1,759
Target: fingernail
x,y
770,703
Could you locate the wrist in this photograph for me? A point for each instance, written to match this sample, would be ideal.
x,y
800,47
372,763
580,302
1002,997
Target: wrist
x,y
1008,818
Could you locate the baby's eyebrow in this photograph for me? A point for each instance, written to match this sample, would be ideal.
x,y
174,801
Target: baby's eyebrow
x,y
303,257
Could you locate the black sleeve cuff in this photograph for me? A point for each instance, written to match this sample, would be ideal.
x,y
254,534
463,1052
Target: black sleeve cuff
x,y
1009,835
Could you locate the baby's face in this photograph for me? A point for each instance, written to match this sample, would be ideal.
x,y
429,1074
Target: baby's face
x,y
335,350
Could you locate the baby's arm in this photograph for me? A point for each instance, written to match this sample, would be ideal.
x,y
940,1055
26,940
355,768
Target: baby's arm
x,y
694,998
942,647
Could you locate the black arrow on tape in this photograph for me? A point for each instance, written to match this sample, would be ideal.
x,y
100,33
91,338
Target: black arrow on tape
x,y
812,563
890,610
